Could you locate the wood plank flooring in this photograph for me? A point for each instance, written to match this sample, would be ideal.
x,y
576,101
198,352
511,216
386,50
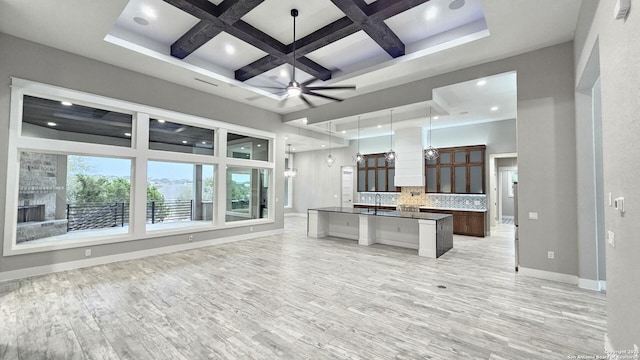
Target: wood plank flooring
x,y
293,297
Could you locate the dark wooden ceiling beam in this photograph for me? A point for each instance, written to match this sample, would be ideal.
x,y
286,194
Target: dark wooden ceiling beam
x,y
211,22
379,10
356,10
229,11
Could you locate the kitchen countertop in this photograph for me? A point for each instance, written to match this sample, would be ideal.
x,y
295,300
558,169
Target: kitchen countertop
x,y
452,209
386,213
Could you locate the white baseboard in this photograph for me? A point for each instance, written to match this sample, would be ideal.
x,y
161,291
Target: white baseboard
x,y
589,284
70,265
292,214
548,275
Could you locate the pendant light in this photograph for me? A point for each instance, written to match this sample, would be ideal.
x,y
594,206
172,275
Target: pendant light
x,y
358,157
430,153
290,172
329,160
390,156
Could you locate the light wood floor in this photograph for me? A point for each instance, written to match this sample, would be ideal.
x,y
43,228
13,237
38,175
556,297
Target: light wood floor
x,y
293,297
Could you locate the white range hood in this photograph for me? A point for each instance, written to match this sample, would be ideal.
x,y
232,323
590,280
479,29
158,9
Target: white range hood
x,y
410,161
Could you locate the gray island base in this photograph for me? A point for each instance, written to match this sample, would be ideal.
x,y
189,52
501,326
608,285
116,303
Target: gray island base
x,y
430,234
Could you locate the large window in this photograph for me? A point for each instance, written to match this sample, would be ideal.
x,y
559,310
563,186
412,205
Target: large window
x,y
178,194
62,197
93,170
247,194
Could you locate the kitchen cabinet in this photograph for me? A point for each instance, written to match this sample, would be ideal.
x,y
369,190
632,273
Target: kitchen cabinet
x,y
471,223
459,170
375,175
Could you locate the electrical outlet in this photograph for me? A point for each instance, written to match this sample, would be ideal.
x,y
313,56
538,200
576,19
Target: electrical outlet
x,y
87,252
251,228
611,238
551,255
533,216
190,238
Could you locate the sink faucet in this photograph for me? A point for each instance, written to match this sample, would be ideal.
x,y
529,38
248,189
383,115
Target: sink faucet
x,y
378,203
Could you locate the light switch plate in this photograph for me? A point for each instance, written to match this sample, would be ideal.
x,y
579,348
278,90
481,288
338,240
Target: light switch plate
x,y
533,216
551,255
611,238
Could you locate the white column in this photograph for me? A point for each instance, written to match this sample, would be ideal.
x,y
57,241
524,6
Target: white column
x,y
427,233
318,224
367,231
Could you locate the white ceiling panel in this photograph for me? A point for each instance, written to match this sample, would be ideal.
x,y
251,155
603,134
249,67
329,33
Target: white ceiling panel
x,y
227,51
166,23
342,54
432,18
273,17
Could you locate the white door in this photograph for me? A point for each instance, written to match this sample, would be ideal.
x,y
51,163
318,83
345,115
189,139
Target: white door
x,y
347,186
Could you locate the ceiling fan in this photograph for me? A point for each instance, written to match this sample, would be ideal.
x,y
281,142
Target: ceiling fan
x,y
296,89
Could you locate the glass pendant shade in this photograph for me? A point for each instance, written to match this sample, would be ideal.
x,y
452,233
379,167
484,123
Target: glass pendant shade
x,y
329,160
358,158
431,153
390,156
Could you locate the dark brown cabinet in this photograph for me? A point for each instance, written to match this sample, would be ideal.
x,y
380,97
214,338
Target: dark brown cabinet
x,y
470,223
375,175
458,170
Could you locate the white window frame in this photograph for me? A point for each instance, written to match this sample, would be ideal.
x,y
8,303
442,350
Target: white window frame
x,y
139,154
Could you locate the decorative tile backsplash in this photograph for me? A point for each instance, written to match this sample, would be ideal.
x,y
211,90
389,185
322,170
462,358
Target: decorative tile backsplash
x,y
415,196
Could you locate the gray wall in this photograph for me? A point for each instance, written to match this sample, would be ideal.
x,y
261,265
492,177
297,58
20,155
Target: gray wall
x,y
27,60
619,51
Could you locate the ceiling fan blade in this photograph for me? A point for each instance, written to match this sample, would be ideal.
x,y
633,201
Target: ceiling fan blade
x,y
323,96
309,81
306,101
345,87
283,101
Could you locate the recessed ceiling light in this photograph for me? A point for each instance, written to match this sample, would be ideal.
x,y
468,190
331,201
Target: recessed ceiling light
x,y
436,117
161,121
204,142
481,82
51,123
141,21
494,108
283,73
322,145
229,49
344,131
294,149
66,103
184,141
431,13
286,138
259,145
379,126
456,4
242,148
127,134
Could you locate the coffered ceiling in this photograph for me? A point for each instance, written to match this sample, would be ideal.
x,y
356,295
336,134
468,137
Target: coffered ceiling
x,y
236,48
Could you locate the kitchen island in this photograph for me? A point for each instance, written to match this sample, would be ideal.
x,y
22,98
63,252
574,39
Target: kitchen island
x,y
431,234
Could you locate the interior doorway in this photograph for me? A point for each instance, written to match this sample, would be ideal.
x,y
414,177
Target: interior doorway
x,y
506,176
